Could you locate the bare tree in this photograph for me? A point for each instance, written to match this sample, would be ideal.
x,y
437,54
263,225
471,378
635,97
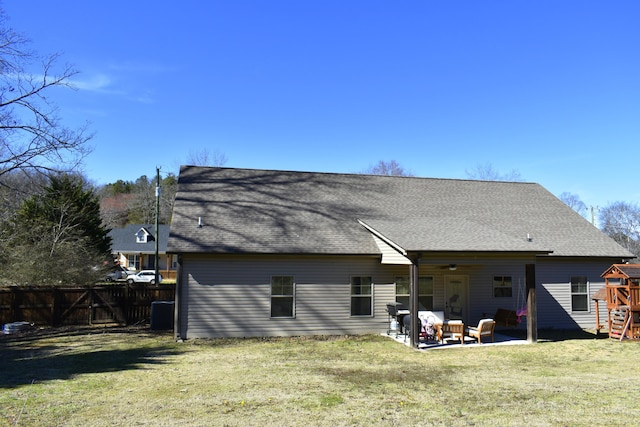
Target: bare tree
x,y
31,134
574,202
204,157
621,222
141,207
127,202
17,186
487,172
390,168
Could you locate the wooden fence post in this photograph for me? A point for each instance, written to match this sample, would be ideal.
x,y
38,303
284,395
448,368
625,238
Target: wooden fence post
x,y
127,316
15,302
90,301
54,306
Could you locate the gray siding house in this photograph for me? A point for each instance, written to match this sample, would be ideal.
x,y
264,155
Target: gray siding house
x,y
281,253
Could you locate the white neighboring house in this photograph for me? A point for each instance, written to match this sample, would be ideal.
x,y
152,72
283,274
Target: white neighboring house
x,y
281,253
133,247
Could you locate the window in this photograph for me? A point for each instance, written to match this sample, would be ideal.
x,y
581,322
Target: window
x,y
361,296
282,296
141,236
133,261
425,291
579,293
502,287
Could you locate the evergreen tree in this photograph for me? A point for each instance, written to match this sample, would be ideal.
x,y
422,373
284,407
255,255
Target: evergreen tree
x,y
58,236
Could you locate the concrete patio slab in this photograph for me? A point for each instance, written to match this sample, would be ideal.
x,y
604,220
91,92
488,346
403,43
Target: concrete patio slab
x,y
499,339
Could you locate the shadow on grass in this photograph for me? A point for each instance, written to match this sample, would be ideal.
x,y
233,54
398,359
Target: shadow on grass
x,y
412,375
58,354
556,334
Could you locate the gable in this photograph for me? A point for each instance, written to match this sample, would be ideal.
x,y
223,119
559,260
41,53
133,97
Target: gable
x,y
143,236
622,271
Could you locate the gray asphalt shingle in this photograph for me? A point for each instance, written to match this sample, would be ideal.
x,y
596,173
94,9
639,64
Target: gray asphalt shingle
x,y
124,239
266,211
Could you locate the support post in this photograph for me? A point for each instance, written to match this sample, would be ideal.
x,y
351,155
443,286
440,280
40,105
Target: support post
x,y
598,326
414,334
532,310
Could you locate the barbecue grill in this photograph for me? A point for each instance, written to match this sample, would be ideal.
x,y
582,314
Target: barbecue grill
x,y
396,311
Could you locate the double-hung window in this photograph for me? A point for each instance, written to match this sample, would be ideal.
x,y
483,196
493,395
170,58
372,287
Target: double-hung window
x,y
133,261
502,287
425,291
579,293
282,296
361,296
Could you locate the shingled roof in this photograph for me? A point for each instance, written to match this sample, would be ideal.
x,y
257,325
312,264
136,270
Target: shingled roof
x,y
623,271
268,211
124,239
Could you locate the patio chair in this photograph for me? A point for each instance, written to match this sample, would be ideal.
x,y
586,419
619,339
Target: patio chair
x,y
484,329
452,329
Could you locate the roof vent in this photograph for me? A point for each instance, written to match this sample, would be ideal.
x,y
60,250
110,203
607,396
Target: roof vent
x,y
529,238
199,222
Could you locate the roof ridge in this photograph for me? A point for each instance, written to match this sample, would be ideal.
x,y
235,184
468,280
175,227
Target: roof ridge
x,y
354,174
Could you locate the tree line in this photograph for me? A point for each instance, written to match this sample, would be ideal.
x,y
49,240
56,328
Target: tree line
x,y
55,226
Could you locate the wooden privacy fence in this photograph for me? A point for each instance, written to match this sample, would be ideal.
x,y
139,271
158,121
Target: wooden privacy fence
x,y
82,305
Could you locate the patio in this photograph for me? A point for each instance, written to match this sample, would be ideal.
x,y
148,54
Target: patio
x,y
499,339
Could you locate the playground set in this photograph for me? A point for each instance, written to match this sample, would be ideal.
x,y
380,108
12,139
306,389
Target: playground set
x,y
622,294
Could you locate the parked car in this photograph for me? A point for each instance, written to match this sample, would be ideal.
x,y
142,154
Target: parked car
x,y
120,273
144,276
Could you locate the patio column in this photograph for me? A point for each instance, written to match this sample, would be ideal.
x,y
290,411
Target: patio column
x,y
532,311
414,334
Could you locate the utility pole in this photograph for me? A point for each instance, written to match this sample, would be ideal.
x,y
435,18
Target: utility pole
x,y
157,222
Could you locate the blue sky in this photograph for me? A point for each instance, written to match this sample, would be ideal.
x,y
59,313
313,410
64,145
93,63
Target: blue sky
x,y
548,88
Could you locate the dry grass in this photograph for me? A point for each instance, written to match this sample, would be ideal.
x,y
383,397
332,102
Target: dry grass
x,y
134,377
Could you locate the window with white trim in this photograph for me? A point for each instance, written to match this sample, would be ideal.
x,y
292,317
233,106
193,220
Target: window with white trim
x,y
425,291
133,261
282,296
502,287
579,293
361,296
141,236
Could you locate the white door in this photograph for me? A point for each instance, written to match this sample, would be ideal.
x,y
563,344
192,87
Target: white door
x,y
456,301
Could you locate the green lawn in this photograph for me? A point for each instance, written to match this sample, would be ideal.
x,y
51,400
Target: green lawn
x,y
135,377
